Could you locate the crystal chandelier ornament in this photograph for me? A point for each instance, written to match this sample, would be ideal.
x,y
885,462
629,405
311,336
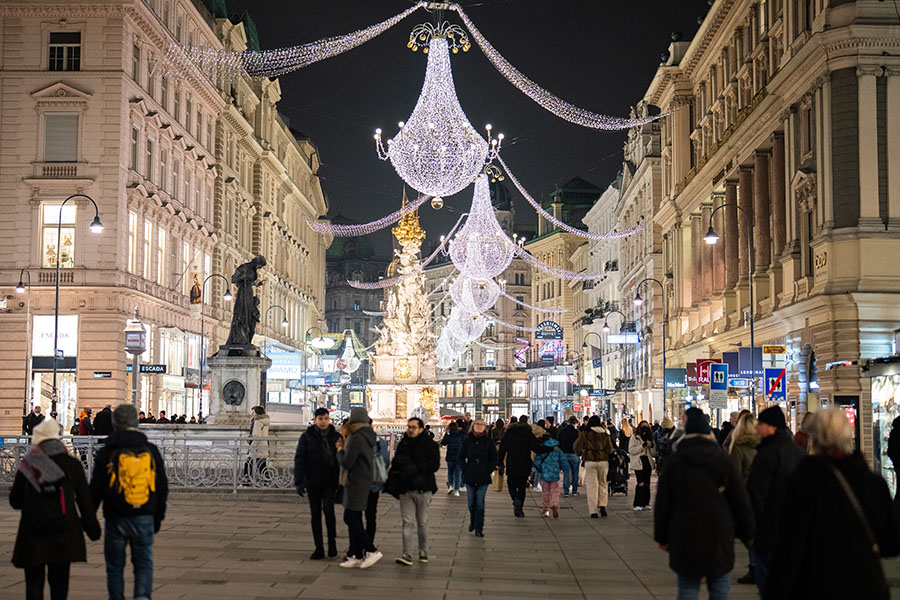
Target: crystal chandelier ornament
x,y
481,250
474,295
437,151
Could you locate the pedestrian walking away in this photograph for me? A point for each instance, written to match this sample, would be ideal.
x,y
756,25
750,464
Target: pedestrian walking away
x,y
516,449
594,446
129,479
452,440
777,456
258,452
356,457
641,449
411,480
478,459
103,421
833,504
743,440
701,506
48,486
316,472
33,419
566,437
548,465
663,441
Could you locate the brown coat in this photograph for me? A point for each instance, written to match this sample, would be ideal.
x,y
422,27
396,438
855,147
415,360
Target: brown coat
x,y
593,445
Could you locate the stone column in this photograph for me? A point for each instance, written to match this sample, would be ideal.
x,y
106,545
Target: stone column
x,y
868,146
779,200
761,230
718,250
729,235
893,147
745,221
706,253
696,261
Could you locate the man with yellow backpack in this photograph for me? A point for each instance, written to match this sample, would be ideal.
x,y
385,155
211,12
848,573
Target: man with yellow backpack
x,y
130,480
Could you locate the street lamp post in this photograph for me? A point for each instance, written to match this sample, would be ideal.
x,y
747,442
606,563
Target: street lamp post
x,y
625,362
20,289
226,296
712,237
637,302
96,227
584,354
322,343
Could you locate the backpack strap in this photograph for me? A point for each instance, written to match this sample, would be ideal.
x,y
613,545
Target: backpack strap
x,y
854,502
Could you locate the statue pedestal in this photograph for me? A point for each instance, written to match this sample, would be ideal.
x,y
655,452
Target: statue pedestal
x,y
236,387
403,387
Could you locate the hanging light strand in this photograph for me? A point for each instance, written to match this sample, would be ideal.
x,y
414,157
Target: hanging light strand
x,y
491,347
544,98
531,306
556,271
564,226
374,313
366,228
515,327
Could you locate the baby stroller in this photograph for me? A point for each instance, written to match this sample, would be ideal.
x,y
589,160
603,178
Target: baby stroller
x,y
618,472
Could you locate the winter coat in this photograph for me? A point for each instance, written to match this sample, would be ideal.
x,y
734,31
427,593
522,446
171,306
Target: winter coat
x,y
497,435
566,438
103,422
594,445
777,456
550,463
726,429
638,448
101,491
381,449
516,447
259,428
893,449
453,440
416,460
613,435
478,459
31,421
36,543
817,523
84,425
310,469
701,506
357,459
743,451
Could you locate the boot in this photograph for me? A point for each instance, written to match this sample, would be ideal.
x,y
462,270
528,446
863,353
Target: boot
x,y
749,578
332,548
517,509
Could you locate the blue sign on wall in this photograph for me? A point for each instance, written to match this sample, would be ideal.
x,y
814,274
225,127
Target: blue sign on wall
x,y
775,386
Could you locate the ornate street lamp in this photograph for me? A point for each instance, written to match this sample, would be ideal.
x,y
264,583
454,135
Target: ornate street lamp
x,y
637,302
227,297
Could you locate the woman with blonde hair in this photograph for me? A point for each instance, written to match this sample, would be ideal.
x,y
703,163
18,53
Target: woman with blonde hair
x,y
744,441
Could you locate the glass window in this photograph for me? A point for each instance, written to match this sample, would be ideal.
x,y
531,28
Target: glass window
x,y
490,388
61,229
186,198
449,392
187,115
164,92
134,148
161,257
148,237
149,159
459,389
176,108
65,51
470,389
175,166
60,137
132,242
519,301
185,261
163,159
199,125
136,64
356,305
520,388
490,358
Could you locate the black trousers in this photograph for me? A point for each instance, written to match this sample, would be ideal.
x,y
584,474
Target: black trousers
x,y
517,487
322,501
57,577
371,515
359,539
642,489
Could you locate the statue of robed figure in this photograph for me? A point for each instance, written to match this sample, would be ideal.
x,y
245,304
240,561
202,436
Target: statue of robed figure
x,y
246,305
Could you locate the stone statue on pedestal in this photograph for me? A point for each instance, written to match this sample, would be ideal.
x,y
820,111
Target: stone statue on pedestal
x,y
246,305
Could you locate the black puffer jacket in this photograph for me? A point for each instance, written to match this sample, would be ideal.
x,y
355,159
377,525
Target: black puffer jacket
x,y
310,469
701,505
478,459
777,456
415,462
516,447
566,438
818,523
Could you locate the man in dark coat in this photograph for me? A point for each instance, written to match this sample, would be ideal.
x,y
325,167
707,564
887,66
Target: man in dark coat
x,y
777,456
103,421
33,419
516,448
411,480
127,452
701,505
566,437
316,473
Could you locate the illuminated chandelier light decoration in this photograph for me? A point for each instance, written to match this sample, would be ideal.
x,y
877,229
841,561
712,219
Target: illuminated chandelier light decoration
x,y
221,65
481,250
466,326
350,360
366,228
559,107
437,151
531,306
564,226
474,295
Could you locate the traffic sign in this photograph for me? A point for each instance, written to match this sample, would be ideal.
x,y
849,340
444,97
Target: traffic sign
x,y
776,389
774,349
718,386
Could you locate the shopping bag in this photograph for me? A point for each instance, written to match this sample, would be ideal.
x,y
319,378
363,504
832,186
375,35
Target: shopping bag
x,y
498,481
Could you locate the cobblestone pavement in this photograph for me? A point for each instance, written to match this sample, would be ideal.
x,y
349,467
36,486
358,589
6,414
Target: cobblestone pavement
x,y
255,546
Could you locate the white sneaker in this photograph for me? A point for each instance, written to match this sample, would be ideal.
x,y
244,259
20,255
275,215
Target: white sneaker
x,y
370,559
537,488
450,489
546,513
351,562
638,508
456,493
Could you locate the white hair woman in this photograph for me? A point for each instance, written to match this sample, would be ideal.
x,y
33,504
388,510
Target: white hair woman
x,y
833,504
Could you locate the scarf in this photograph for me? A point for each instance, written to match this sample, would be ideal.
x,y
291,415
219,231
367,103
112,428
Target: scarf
x,y
479,435
327,454
37,466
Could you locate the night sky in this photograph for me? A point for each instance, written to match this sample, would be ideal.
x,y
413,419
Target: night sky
x,y
597,54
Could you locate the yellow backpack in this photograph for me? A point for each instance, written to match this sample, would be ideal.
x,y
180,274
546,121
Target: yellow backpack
x,y
133,476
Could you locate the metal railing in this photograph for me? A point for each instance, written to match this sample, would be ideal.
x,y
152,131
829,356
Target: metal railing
x,y
194,462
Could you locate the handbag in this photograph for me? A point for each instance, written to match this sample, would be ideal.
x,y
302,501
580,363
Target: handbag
x,y
498,480
854,502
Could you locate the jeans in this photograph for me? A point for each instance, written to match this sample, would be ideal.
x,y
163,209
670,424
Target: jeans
x,y
454,475
761,562
359,541
642,489
719,587
517,487
475,495
595,478
57,577
571,464
321,501
415,507
120,532
549,495
371,515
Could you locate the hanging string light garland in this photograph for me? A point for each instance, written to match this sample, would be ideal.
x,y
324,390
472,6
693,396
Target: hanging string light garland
x,y
514,327
532,307
564,226
374,313
366,228
556,271
544,98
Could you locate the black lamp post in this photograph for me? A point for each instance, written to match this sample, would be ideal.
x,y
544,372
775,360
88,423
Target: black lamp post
x,y
20,289
637,302
226,296
625,361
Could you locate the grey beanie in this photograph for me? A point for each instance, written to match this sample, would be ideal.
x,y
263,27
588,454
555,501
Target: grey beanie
x,y
358,414
125,417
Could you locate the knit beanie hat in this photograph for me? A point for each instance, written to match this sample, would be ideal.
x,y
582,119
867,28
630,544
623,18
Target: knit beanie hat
x,y
125,417
358,414
772,416
48,429
696,422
